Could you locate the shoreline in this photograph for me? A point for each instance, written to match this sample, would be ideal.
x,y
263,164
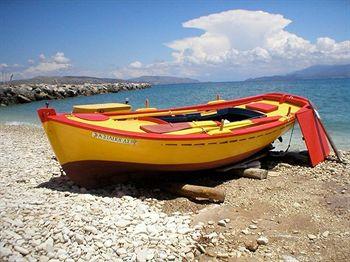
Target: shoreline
x,y
298,213
25,93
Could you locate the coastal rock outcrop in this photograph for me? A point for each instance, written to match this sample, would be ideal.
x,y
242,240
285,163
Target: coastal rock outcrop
x,y
26,93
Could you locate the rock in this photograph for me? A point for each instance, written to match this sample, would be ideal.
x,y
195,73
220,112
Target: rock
x,y
23,99
253,226
201,248
62,254
43,259
296,205
242,249
222,255
121,251
325,234
210,222
41,96
4,252
251,245
79,239
48,245
163,255
311,236
122,223
222,223
91,229
287,258
189,256
245,232
143,255
262,240
21,250
108,243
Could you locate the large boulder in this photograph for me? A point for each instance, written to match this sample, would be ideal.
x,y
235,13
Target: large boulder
x,y
41,96
23,99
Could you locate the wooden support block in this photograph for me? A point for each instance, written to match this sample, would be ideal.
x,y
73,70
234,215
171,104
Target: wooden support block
x,y
244,165
255,173
194,191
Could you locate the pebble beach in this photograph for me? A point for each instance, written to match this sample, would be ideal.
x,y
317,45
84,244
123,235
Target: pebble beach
x,y
297,214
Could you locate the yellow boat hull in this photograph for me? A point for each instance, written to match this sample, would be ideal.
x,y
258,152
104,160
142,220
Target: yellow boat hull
x,y
93,156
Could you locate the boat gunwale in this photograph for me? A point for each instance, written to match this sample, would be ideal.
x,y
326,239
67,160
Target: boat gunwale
x,y
296,100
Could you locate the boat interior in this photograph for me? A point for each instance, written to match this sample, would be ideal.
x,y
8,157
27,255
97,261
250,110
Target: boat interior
x,y
216,118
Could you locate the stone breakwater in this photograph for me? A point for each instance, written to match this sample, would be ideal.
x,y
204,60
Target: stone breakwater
x,y
26,93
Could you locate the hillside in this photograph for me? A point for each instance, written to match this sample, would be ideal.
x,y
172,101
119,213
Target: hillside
x,y
312,72
163,80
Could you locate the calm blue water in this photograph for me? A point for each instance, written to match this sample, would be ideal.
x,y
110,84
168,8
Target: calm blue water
x,y
331,97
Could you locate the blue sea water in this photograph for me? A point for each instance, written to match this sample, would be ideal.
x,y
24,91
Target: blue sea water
x,y
331,97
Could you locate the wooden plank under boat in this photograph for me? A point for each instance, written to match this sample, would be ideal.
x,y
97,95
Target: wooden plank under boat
x,y
96,147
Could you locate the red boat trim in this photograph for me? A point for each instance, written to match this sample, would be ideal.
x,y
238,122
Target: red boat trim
x,y
300,101
293,99
61,118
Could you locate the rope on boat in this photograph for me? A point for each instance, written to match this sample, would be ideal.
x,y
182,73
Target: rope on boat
x,y
290,138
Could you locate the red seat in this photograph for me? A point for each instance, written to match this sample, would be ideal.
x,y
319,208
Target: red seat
x,y
262,107
92,117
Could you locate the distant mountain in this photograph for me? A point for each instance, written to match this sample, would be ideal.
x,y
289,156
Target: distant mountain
x,y
67,80
163,80
312,72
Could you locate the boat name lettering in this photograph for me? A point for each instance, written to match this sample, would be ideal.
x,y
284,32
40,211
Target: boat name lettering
x,y
113,138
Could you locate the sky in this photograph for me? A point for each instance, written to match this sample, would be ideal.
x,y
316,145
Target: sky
x,y
206,40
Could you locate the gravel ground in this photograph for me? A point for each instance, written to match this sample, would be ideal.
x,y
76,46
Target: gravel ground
x,y
297,214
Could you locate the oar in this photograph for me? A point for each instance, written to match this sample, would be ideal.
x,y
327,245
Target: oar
x,y
248,122
233,125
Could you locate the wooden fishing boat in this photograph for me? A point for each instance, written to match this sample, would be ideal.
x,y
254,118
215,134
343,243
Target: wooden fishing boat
x,y
99,144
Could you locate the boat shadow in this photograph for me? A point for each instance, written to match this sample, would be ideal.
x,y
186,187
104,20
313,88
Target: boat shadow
x,y
152,189
157,188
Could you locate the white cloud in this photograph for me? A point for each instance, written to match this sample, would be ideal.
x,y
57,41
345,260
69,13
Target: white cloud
x,y
57,62
42,57
243,43
3,65
136,69
31,61
136,64
59,58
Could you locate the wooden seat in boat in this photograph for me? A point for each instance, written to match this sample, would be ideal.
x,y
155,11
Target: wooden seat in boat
x,y
262,107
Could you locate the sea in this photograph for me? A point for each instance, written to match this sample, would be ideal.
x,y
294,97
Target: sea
x,y
331,97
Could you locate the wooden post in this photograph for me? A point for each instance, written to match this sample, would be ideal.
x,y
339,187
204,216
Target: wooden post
x,y
337,153
222,124
255,173
252,164
194,191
